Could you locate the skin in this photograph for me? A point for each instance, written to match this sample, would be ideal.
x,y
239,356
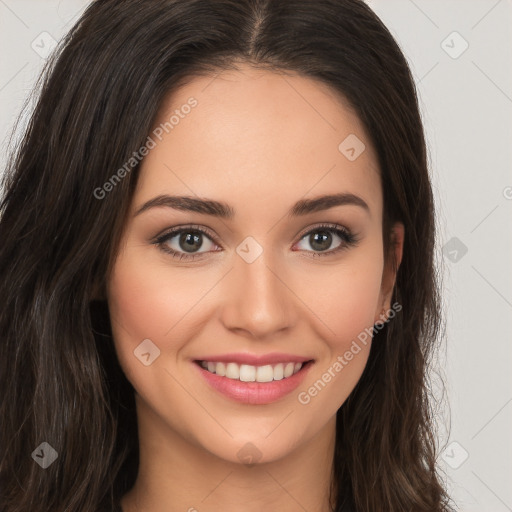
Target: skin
x,y
259,141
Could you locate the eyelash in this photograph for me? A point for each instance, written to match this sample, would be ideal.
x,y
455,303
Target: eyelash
x,y
347,237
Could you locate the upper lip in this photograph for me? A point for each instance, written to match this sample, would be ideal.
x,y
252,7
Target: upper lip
x,y
255,360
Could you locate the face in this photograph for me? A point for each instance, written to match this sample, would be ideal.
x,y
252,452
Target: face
x,y
265,280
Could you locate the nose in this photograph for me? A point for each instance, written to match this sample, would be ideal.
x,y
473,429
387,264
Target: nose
x,y
258,300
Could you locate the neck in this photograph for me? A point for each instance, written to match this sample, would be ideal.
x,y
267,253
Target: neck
x,y
178,475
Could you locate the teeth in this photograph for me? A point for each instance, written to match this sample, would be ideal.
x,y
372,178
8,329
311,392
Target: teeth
x,y
249,373
232,371
288,370
278,371
220,369
265,373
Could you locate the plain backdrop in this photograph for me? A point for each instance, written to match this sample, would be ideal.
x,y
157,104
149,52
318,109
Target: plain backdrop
x,y
460,53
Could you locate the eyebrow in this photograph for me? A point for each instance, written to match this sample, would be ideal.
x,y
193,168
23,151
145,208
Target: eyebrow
x,y
225,211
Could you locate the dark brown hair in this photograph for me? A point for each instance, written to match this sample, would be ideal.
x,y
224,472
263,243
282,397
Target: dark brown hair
x,y
59,375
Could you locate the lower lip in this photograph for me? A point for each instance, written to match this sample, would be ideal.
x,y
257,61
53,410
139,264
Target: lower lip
x,y
254,393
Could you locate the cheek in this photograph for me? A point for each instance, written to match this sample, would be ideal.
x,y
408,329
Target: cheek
x,y
346,297
346,311
145,302
353,307
139,302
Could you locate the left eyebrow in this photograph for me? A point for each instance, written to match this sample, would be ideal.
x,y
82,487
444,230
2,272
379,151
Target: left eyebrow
x,y
307,206
225,211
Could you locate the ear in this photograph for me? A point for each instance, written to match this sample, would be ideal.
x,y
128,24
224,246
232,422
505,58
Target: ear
x,y
98,291
392,263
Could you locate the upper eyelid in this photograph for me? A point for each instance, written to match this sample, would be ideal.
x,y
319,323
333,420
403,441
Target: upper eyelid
x,y
325,225
172,232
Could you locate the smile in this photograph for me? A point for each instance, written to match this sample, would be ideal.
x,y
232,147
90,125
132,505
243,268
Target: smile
x,y
254,384
249,373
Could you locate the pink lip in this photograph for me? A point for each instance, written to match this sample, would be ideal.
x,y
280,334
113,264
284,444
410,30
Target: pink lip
x,y
254,393
255,360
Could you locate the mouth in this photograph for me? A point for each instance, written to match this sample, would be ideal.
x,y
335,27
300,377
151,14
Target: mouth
x,y
253,384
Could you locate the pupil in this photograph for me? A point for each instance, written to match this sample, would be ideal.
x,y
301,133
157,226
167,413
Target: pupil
x,y
324,236
190,241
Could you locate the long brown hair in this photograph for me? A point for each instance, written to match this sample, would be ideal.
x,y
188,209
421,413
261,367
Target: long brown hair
x,y
60,379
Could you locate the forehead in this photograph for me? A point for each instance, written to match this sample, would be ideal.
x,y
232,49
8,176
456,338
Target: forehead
x,y
254,136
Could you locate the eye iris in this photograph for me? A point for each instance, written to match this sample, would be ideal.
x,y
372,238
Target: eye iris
x,y
320,245
190,241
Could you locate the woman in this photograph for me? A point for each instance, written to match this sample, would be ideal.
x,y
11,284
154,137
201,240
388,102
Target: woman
x,y
217,267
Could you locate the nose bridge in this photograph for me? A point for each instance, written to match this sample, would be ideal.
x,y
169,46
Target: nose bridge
x,y
258,300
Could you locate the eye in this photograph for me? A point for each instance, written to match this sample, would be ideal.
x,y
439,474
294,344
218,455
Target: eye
x,y
184,243
321,238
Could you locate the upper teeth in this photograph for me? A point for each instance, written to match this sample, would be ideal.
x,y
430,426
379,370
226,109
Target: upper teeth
x,y
248,373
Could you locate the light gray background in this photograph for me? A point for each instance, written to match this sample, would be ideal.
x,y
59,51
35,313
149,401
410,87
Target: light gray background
x,y
466,100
